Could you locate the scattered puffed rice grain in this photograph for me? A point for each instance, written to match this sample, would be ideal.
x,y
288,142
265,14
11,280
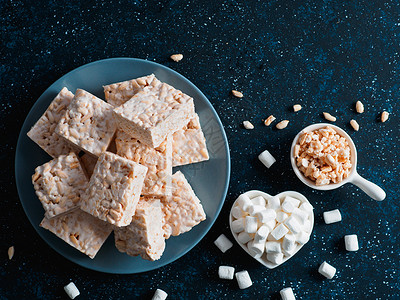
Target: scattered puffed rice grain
x,y
287,294
355,125
282,124
237,93
10,252
71,290
248,125
243,280
297,107
359,107
384,116
269,120
159,295
329,117
176,57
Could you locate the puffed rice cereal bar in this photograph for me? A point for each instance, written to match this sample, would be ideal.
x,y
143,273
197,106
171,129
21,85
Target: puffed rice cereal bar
x,y
59,184
158,161
42,133
154,113
88,123
114,189
80,230
144,236
323,156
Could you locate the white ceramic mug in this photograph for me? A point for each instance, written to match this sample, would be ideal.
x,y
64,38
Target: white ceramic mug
x,y
371,189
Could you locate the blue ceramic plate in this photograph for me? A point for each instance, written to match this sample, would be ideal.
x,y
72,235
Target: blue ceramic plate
x,y
209,179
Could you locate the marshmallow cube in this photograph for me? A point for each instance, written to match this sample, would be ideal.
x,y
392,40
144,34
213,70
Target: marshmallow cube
x,y
266,215
225,272
300,215
351,242
273,247
237,212
244,237
259,201
327,270
270,224
256,248
254,209
281,216
243,280
307,226
238,225
275,258
274,203
290,252
243,201
71,290
294,201
159,295
287,294
223,243
332,216
261,234
287,206
289,242
251,224
306,207
267,159
279,231
293,224
302,237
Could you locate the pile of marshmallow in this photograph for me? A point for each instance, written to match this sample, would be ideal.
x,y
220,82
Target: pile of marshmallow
x,y
273,229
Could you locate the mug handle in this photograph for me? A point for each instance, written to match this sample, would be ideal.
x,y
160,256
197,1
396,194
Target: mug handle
x,y
371,189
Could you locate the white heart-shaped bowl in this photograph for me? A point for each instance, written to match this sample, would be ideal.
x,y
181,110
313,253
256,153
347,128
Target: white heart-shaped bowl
x,y
254,193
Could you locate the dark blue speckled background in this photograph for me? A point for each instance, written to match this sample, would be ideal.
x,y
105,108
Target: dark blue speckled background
x,y
325,55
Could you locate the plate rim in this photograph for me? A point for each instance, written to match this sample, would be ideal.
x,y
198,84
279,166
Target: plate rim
x,y
209,105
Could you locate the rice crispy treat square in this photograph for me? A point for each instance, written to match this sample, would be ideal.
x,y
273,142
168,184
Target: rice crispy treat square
x,y
80,230
183,210
88,123
114,189
157,160
59,184
155,112
118,93
42,133
144,236
189,144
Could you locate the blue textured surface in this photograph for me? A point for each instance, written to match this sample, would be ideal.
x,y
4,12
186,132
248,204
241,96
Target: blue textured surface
x,y
325,55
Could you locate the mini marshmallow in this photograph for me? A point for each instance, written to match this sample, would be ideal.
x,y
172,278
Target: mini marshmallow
x,y
266,215
279,231
293,224
300,215
287,294
289,242
332,216
307,226
244,237
274,203
287,206
256,249
261,234
251,224
225,272
159,295
71,290
243,201
302,237
294,201
237,213
351,242
273,247
258,201
275,258
254,209
270,224
290,252
306,207
327,270
238,225
267,159
243,280
281,216
223,243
